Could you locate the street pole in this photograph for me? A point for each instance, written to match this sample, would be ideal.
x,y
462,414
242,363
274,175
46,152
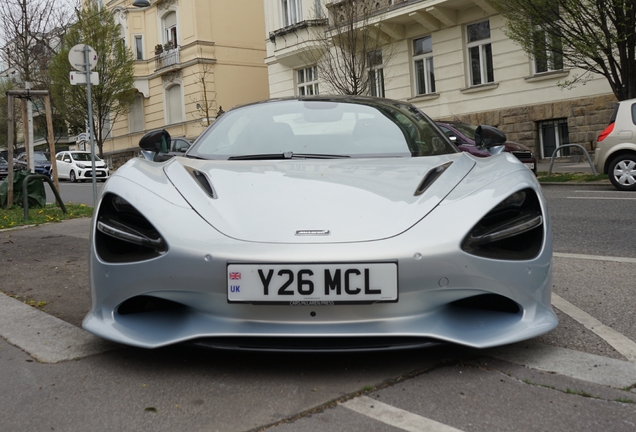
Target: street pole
x,y
90,118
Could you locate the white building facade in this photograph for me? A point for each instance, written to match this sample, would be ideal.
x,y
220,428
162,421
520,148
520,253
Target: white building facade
x,y
452,59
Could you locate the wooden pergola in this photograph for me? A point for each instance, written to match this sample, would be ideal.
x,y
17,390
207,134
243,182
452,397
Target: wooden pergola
x,y
24,95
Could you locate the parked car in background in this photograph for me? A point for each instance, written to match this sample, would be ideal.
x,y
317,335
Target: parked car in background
x,y
463,135
42,162
615,153
4,168
77,165
178,146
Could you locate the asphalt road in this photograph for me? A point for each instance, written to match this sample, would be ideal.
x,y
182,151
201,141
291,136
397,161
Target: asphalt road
x,y
80,193
576,378
597,220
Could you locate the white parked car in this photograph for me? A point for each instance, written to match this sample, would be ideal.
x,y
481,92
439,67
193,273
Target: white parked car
x,y
615,153
77,165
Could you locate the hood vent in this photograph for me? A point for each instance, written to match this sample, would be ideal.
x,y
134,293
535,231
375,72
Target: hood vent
x,y
203,181
430,178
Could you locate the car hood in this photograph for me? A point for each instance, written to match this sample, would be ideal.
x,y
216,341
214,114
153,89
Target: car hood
x,y
513,146
88,164
317,201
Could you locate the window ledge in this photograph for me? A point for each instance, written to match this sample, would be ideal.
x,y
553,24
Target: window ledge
x,y
480,87
424,97
547,75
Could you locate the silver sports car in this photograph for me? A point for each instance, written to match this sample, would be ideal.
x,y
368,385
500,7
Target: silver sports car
x,y
323,223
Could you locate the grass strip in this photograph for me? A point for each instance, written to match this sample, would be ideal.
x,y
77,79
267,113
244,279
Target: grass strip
x,y
14,216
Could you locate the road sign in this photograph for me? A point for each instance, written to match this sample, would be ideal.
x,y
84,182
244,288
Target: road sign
x,y
80,78
76,57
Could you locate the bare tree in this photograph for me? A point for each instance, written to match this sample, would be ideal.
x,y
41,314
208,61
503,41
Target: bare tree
x,y
5,85
595,35
351,47
30,33
205,102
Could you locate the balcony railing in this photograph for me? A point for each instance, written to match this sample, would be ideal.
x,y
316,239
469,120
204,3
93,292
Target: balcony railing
x,y
167,58
337,11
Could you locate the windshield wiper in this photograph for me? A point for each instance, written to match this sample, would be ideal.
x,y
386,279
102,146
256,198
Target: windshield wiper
x,y
287,155
319,156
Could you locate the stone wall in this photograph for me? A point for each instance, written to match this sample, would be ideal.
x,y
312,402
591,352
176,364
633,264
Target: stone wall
x,y
116,159
586,118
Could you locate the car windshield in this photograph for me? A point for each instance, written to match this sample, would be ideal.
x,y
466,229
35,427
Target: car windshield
x,y
41,157
321,128
83,157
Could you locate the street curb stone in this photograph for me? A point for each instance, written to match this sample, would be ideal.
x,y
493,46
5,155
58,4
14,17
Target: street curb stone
x,y
44,337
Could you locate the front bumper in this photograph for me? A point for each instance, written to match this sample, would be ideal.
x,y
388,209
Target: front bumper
x,y
88,174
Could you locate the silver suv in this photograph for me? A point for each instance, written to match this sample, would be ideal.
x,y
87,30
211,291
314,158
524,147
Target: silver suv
x,y
615,153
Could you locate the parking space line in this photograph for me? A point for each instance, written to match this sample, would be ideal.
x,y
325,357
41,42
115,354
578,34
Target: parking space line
x,y
44,337
395,417
602,198
620,343
574,364
594,257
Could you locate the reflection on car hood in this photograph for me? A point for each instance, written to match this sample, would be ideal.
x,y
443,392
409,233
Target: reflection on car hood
x,y
352,199
513,146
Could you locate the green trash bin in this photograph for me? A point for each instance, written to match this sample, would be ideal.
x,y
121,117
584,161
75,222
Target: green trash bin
x,y
35,190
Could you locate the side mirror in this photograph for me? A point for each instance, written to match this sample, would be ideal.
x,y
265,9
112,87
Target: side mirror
x,y
489,136
156,141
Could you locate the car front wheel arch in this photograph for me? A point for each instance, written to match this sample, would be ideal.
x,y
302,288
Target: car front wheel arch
x,y
622,171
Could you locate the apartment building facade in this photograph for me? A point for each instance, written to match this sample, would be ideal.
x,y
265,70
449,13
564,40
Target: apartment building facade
x,y
193,58
452,59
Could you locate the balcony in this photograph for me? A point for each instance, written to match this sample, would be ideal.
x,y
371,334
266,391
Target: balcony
x,y
391,18
168,60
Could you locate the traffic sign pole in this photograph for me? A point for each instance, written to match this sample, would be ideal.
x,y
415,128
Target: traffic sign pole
x,y
83,58
88,66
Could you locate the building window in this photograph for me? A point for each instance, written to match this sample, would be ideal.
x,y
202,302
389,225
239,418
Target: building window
x,y
376,73
170,29
307,81
174,104
139,47
548,52
423,65
292,12
479,53
552,135
136,116
318,9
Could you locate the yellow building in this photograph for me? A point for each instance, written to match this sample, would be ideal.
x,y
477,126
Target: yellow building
x,y
192,58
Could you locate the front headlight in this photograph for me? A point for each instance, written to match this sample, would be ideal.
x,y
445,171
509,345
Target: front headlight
x,y
125,235
512,230
80,165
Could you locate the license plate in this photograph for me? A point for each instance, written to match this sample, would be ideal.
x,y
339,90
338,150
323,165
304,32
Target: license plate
x,y
312,284
529,165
